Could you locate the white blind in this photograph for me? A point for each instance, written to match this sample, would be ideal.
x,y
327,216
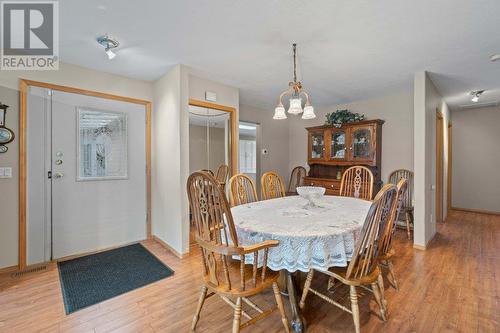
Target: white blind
x,y
248,158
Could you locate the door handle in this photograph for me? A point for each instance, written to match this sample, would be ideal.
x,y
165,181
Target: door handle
x,y
58,175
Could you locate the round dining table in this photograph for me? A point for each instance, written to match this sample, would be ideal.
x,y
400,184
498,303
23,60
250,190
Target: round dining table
x,y
317,236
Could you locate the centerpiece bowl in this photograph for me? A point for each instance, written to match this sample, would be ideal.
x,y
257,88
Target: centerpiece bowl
x,y
311,194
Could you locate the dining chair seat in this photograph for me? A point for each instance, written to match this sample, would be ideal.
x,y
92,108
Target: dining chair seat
x,y
252,287
339,273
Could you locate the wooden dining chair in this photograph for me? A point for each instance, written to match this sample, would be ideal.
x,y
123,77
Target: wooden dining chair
x,y
357,182
222,174
363,269
208,170
241,190
272,186
407,208
387,252
218,241
296,179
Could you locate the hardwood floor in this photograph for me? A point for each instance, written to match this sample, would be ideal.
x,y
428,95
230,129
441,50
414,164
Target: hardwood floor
x,y
454,286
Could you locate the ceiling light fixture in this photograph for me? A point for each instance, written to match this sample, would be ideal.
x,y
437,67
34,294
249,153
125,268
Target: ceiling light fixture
x,y
109,44
475,95
495,57
295,91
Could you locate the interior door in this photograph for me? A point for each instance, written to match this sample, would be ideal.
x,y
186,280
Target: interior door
x,y
98,173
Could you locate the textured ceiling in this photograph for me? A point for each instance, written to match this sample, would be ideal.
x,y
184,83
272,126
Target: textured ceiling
x,y
348,50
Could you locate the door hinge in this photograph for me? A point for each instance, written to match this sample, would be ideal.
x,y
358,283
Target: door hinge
x,y
49,175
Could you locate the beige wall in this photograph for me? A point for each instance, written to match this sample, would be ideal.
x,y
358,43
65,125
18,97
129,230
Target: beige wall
x,y
166,166
273,136
198,148
67,75
427,101
9,187
170,167
476,157
397,132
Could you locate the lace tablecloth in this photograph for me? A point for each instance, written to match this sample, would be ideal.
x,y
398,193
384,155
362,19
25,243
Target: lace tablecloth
x,y
318,237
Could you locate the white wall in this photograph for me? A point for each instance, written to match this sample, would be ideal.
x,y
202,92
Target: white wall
x,y
427,101
67,75
397,132
476,157
166,160
274,136
170,156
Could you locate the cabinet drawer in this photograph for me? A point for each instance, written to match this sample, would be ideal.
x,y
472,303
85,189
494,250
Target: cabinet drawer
x,y
332,186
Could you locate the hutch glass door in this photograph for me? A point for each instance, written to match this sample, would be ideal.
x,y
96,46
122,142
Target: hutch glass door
x,y
317,143
338,145
361,143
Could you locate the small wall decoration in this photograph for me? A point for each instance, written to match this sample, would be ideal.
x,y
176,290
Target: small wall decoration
x,y
6,134
340,117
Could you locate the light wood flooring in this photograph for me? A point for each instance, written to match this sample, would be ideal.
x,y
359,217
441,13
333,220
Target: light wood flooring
x,y
454,286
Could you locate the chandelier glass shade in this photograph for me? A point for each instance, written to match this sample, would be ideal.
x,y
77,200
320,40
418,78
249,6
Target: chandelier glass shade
x,y
295,100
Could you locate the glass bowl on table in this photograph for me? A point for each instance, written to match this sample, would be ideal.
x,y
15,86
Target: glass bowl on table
x,y
312,194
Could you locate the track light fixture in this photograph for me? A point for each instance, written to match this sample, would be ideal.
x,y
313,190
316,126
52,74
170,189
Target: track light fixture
x,y
475,95
109,44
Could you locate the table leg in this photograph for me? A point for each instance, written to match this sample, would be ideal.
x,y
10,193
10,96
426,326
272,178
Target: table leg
x,y
298,322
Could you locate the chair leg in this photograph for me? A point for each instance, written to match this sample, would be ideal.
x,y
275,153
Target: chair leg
x,y
201,301
380,281
237,316
307,285
281,308
408,225
393,280
355,308
378,298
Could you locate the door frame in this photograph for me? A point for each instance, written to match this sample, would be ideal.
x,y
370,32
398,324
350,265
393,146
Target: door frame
x,y
234,127
439,165
23,149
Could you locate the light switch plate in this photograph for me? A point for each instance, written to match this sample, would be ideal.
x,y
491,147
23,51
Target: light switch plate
x,y
5,172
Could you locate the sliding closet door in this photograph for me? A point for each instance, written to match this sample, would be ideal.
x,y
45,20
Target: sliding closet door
x,y
98,173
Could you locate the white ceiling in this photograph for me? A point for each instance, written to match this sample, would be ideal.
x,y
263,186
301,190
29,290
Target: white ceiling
x,y
348,50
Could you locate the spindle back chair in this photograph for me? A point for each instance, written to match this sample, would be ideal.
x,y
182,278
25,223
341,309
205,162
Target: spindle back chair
x,y
241,190
357,182
296,179
216,235
272,186
363,269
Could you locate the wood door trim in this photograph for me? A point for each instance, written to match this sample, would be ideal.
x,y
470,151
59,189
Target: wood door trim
x,y
477,211
232,117
23,89
450,167
439,166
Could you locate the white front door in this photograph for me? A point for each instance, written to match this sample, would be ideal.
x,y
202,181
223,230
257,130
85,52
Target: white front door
x,y
98,166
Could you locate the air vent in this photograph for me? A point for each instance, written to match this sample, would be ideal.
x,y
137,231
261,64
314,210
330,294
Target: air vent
x,y
479,105
29,270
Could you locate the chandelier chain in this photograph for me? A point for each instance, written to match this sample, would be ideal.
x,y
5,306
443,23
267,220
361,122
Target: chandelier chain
x,y
295,63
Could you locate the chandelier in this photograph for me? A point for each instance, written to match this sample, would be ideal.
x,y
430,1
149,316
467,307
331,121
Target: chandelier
x,y
295,91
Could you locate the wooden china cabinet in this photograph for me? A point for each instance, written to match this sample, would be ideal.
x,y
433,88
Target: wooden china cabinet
x,y
331,150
